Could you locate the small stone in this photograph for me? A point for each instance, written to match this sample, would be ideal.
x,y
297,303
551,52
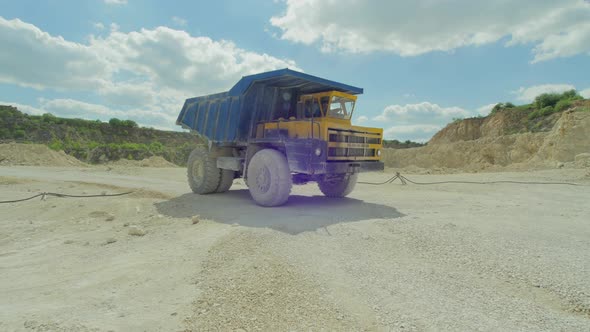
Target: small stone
x,y
110,240
173,314
137,231
110,217
126,224
86,243
196,219
137,209
68,241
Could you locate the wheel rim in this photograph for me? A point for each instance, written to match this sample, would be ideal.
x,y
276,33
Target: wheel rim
x,y
263,180
198,171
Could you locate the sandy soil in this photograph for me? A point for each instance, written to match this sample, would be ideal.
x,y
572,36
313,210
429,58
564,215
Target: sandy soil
x,y
403,258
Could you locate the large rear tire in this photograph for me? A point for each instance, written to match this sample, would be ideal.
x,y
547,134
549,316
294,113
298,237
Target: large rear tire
x,y
269,178
202,172
339,186
226,180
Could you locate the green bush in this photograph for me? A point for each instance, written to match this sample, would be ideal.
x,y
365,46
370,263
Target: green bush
x,y
497,107
547,110
501,106
19,133
546,99
122,123
49,118
551,99
542,112
563,104
129,124
56,145
115,122
156,147
5,133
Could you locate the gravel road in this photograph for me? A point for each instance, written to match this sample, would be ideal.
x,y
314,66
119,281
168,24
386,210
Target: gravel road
x,y
452,257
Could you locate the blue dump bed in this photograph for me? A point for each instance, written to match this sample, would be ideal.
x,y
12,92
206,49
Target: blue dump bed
x,y
229,117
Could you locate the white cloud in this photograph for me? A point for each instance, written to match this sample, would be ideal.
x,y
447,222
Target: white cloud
x,y
362,119
528,94
98,26
417,132
585,93
417,122
175,59
115,2
179,21
146,74
34,58
410,28
485,110
424,109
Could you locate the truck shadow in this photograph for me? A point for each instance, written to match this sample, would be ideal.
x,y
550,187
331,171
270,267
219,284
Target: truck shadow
x,y
299,214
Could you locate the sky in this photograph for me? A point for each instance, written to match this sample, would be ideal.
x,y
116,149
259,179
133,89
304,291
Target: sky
x,y
422,63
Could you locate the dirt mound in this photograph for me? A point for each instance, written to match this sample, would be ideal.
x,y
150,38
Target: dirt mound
x,y
154,161
569,137
13,154
464,130
506,122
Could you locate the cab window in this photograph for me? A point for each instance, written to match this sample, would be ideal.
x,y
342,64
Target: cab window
x,y
341,107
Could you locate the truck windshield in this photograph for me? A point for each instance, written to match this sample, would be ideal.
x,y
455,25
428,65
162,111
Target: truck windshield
x,y
341,108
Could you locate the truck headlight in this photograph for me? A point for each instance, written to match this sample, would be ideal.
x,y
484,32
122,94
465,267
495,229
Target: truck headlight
x,y
318,152
378,153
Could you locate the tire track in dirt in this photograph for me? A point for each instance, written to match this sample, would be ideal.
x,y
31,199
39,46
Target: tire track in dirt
x,y
246,286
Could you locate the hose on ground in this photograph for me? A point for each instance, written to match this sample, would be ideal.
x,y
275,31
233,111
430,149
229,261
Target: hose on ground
x,y
45,194
404,180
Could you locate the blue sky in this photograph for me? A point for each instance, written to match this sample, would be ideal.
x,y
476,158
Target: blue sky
x,y
421,63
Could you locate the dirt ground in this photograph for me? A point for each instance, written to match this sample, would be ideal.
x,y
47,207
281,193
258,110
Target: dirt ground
x,y
404,258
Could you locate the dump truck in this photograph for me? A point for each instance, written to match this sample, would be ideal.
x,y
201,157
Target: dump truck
x,y
278,129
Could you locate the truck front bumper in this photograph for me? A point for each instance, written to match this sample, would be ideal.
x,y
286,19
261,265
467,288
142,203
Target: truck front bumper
x,y
339,167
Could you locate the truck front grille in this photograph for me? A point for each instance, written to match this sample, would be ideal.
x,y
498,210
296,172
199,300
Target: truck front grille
x,y
346,144
351,152
341,137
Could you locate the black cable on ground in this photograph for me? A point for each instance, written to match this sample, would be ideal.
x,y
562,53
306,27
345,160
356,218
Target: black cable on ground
x,y
403,179
44,194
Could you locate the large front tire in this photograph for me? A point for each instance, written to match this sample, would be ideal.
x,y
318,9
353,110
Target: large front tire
x,y
339,186
202,172
269,178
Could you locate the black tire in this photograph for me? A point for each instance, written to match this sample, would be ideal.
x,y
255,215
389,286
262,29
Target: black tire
x,y
338,186
226,180
202,172
269,178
